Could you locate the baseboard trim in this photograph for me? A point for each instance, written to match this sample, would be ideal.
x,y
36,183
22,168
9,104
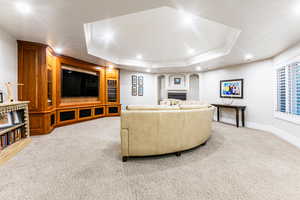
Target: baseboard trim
x,y
268,128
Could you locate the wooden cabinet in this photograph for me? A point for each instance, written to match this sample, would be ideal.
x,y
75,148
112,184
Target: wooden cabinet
x,y
40,73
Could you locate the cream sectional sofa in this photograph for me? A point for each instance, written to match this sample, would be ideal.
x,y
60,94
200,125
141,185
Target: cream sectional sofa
x,y
172,102
156,130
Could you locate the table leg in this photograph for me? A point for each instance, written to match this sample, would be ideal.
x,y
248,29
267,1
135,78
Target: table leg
x,y
237,117
218,114
243,117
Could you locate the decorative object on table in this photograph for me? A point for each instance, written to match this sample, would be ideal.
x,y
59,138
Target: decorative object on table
x,y
141,86
9,85
1,97
227,101
177,81
232,88
9,92
134,85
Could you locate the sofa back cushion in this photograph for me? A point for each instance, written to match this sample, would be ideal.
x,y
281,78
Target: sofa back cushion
x,y
151,107
192,107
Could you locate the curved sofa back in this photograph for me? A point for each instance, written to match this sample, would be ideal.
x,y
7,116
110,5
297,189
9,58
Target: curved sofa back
x,y
146,132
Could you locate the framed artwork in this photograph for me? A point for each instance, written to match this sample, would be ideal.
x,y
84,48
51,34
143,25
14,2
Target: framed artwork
x,y
134,79
6,120
141,80
177,81
1,97
134,85
141,91
232,88
134,91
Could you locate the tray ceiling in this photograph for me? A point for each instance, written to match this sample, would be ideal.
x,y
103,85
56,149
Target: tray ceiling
x,y
267,28
161,37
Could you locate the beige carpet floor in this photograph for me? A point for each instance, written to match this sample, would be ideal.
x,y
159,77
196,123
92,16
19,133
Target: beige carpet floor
x,y
82,161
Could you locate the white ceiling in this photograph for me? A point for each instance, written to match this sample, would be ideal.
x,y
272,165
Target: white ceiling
x,y
164,37
267,28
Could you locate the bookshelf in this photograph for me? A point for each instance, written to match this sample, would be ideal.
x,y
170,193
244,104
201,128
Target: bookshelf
x,y
14,129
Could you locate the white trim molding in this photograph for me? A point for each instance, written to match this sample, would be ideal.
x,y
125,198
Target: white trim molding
x,y
271,129
287,117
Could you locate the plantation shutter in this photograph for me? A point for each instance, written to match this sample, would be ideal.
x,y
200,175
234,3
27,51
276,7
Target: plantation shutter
x,y
294,85
281,90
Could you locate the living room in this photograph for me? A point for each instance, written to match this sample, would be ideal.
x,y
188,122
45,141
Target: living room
x,y
149,99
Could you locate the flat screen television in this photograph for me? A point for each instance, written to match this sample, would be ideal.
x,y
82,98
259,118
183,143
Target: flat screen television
x,y
79,84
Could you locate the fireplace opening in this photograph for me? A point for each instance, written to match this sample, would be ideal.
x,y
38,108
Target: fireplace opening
x,y
175,95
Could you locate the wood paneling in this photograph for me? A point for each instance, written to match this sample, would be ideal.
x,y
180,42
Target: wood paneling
x,y
35,62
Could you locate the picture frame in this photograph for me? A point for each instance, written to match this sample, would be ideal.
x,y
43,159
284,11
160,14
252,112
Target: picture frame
x,y
6,120
134,91
134,80
232,88
141,80
141,91
1,97
177,81
16,117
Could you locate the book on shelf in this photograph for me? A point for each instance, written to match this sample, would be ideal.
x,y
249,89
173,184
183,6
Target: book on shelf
x,y
12,137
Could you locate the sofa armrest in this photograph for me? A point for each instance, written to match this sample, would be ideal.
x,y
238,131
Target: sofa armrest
x,y
124,142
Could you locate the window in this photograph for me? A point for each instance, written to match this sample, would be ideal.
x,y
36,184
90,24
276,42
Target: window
x,y
288,89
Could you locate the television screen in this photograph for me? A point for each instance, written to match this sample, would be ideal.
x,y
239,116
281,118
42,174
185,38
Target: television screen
x,y
79,84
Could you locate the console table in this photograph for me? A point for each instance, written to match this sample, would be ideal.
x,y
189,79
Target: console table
x,y
236,108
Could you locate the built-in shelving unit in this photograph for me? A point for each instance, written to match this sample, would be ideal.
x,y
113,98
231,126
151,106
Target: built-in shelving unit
x,y
40,73
14,135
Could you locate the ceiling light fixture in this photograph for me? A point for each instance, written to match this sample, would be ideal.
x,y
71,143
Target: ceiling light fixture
x,y
108,37
58,50
249,57
98,68
139,56
148,70
187,18
198,68
110,66
23,7
191,51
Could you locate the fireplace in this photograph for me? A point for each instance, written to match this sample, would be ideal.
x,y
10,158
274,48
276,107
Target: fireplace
x,y
177,95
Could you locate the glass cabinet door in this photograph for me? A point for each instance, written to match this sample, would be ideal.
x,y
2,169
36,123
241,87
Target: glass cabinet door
x,y
50,78
112,91
50,87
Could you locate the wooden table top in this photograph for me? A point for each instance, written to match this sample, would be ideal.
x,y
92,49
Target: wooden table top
x,y
229,106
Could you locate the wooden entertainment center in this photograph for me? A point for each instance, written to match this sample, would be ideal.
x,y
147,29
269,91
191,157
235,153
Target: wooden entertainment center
x,y
40,71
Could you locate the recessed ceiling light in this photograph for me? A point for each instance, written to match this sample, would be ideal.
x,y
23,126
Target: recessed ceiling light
x,y
23,7
198,68
108,37
187,18
110,66
139,56
148,70
191,51
249,57
58,50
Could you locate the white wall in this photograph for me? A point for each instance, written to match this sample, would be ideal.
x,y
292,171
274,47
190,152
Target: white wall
x,y
150,89
8,61
257,90
258,96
